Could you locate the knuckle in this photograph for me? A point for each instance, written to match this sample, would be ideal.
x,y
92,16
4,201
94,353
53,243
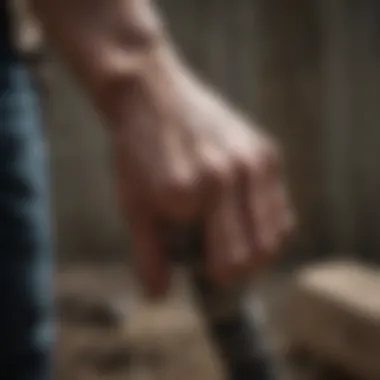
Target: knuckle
x,y
244,163
267,159
221,176
179,188
219,171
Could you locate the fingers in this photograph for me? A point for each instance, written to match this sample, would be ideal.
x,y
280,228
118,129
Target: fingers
x,y
227,248
271,218
149,252
151,261
249,221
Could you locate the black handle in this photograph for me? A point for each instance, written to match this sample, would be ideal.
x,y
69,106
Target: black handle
x,y
232,320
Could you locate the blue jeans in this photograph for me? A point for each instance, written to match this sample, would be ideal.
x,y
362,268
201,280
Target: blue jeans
x,y
25,241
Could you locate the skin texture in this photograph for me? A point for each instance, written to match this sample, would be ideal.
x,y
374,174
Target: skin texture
x,y
182,154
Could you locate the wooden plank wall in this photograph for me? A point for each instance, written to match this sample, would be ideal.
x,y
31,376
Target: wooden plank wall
x,y
308,71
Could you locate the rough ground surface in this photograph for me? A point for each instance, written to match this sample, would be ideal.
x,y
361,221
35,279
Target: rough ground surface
x,y
108,333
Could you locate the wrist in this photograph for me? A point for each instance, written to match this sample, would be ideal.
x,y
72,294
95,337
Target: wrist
x,y
147,82
113,50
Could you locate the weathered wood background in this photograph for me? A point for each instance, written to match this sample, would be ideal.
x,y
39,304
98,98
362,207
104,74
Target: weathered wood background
x,y
307,70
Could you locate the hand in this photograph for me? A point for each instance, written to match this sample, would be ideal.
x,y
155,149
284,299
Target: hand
x,y
183,155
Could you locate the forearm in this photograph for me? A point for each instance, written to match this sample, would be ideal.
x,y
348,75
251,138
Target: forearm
x,y
109,45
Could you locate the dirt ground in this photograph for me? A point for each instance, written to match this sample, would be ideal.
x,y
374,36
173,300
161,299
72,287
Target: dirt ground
x,y
106,331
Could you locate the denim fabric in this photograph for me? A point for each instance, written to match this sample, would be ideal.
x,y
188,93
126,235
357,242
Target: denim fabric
x,y
25,244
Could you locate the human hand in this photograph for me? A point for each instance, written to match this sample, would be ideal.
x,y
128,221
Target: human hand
x,y
183,155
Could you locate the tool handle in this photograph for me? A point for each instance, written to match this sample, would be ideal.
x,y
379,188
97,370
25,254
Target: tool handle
x,y
232,317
